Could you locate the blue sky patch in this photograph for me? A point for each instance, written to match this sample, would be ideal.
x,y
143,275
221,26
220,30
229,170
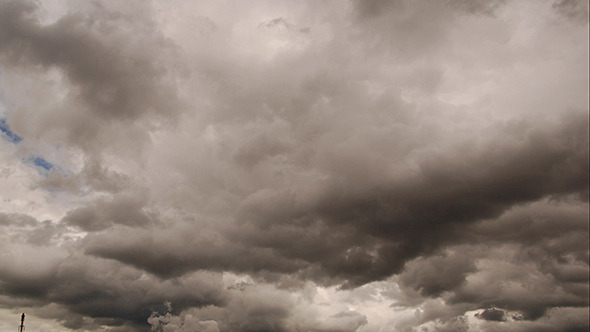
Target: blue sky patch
x,y
38,161
8,134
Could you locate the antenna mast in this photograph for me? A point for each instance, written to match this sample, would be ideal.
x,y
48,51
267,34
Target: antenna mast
x,y
21,328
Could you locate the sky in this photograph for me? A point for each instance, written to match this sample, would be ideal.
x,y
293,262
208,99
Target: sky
x,y
294,166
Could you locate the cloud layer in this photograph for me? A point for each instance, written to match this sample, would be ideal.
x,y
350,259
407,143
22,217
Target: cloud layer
x,y
295,166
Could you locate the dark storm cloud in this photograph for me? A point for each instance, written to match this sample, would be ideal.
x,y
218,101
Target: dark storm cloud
x,y
430,156
365,236
114,67
436,274
87,287
122,209
512,270
87,291
107,291
171,252
385,227
492,314
116,78
553,234
560,319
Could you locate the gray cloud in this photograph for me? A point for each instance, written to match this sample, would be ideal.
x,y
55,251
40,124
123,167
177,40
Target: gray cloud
x,y
84,292
513,280
387,226
94,176
108,292
401,27
113,73
493,314
159,253
296,166
122,209
116,79
432,276
17,219
574,9
379,230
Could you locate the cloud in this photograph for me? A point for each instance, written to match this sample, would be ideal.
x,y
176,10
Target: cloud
x,y
366,235
88,292
295,166
380,229
122,209
256,307
107,77
493,314
121,296
411,29
573,9
437,274
563,319
186,323
508,280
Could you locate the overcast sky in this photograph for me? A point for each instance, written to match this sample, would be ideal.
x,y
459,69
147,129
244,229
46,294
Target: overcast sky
x,y
294,166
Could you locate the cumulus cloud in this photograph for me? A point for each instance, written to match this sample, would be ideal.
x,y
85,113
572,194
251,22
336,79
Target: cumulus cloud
x,y
168,322
109,73
88,291
295,166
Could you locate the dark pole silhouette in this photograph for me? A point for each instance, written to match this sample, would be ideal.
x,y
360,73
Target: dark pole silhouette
x,y
21,328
